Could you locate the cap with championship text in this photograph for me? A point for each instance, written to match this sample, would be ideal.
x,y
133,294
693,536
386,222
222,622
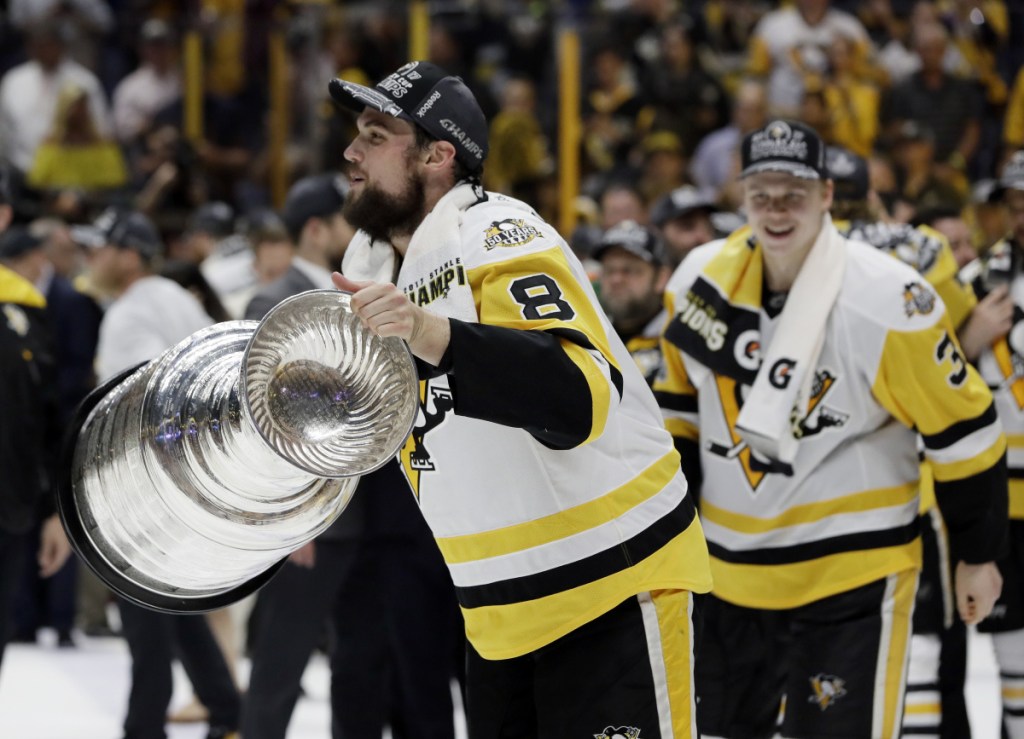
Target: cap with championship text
x,y
318,196
784,146
681,202
631,236
849,172
425,95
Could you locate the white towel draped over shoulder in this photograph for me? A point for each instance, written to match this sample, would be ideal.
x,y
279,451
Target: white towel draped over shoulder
x,y
778,400
436,242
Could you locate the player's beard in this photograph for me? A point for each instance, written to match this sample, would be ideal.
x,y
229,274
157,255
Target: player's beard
x,y
383,215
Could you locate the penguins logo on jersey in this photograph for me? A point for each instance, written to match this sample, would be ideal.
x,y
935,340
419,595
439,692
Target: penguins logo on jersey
x,y
619,732
917,299
509,232
419,457
818,418
827,690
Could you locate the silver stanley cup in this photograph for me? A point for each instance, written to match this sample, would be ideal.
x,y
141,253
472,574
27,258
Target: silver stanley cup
x,y
191,478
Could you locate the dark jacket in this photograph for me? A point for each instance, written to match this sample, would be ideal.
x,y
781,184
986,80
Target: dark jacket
x,y
28,429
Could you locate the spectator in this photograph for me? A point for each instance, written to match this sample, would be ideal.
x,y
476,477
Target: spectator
x,y
664,165
685,99
148,315
621,202
951,224
932,97
150,88
917,181
684,219
29,94
716,160
791,43
271,245
633,278
312,215
83,22
999,279
389,664
611,108
851,103
27,425
519,156
75,156
224,257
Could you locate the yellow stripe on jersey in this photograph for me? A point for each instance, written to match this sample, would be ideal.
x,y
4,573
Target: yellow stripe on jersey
x,y
472,547
921,399
507,631
809,512
600,388
781,586
674,389
674,641
946,472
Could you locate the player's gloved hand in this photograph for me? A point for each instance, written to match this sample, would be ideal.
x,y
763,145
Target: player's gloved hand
x,y
977,589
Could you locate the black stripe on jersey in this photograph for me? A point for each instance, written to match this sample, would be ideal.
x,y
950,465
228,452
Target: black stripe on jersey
x,y
976,511
922,687
587,570
960,430
1012,675
580,339
822,548
1015,473
926,730
676,402
1015,712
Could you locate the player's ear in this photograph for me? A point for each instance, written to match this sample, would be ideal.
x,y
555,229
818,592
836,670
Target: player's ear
x,y
440,154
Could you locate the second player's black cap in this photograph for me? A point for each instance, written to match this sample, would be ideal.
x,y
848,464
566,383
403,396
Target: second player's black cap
x,y
784,146
427,96
849,172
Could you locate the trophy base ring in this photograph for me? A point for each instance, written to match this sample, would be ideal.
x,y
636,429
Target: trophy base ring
x,y
125,588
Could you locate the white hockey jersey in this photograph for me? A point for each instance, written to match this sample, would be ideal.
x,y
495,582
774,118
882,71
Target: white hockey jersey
x,y
540,460
890,366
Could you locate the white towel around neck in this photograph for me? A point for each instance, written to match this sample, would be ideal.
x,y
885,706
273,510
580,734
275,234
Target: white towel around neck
x,y
436,240
778,400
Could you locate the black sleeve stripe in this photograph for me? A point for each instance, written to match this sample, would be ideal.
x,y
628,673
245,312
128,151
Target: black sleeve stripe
x,y
822,548
675,402
976,511
580,339
587,570
960,430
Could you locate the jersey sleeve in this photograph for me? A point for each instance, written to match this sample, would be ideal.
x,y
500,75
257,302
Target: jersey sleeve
x,y
924,381
539,358
959,298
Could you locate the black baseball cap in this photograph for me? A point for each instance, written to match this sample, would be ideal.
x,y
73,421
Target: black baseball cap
x,y
850,173
18,241
784,146
216,219
637,240
124,229
1011,177
680,202
318,196
427,96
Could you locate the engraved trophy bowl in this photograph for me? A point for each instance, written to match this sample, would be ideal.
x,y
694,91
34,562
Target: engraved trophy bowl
x,y
189,479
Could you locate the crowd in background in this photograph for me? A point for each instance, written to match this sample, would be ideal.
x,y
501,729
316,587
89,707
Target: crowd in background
x,y
92,115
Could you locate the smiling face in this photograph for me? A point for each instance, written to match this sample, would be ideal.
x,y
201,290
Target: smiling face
x,y
386,197
785,212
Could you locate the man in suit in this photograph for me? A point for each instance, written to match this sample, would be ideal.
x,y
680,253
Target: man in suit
x,y
375,575
312,215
